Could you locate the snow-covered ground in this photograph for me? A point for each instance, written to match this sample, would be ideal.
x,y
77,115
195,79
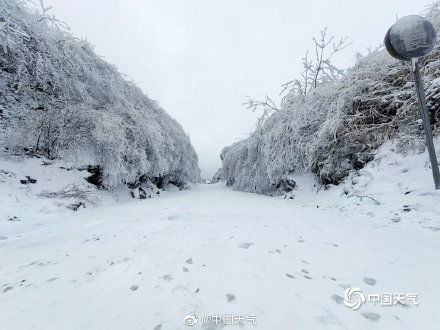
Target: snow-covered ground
x,y
145,264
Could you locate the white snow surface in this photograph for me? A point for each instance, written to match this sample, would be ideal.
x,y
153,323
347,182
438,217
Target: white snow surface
x,y
122,263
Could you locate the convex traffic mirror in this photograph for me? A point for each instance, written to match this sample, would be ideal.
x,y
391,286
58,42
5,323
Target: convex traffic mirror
x,y
410,37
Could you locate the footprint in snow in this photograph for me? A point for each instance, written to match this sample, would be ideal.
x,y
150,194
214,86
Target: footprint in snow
x,y
290,276
167,277
325,317
370,281
337,299
396,218
189,261
47,263
246,245
371,316
329,319
188,301
305,271
230,297
8,288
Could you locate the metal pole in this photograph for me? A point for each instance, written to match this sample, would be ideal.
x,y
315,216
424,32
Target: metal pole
x,y
426,122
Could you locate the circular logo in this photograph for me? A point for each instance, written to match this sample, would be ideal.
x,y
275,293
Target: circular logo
x,y
191,319
354,298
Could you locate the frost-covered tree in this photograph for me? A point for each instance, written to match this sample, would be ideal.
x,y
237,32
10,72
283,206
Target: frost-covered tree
x,y
59,99
317,71
333,124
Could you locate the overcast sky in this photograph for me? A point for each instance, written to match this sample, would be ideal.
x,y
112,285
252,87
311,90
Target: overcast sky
x,y
201,58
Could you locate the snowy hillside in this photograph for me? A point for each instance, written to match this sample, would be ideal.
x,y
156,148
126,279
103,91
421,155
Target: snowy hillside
x,y
334,122
38,188
60,100
281,262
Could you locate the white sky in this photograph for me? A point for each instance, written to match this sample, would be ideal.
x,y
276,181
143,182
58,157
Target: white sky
x,y
201,58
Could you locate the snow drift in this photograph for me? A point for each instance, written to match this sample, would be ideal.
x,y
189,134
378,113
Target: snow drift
x,y
337,125
59,99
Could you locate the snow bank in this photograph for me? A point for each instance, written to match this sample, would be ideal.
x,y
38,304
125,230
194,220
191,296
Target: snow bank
x,y
60,100
37,188
395,186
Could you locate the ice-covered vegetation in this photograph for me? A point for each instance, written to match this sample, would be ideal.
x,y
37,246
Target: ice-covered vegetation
x,y
331,121
59,99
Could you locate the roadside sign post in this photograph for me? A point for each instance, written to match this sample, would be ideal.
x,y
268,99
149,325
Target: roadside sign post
x,y
426,122
409,39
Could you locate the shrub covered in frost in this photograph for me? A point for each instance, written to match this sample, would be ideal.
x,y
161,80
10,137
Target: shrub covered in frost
x,y
59,99
336,123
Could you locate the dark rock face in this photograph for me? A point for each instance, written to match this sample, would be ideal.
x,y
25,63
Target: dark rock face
x,y
28,180
96,177
142,193
287,185
217,177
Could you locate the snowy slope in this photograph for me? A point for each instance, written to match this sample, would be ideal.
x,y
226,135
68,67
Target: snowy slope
x,y
59,188
212,250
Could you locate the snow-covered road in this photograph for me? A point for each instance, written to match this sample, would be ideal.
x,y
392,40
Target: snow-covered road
x,y
214,251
